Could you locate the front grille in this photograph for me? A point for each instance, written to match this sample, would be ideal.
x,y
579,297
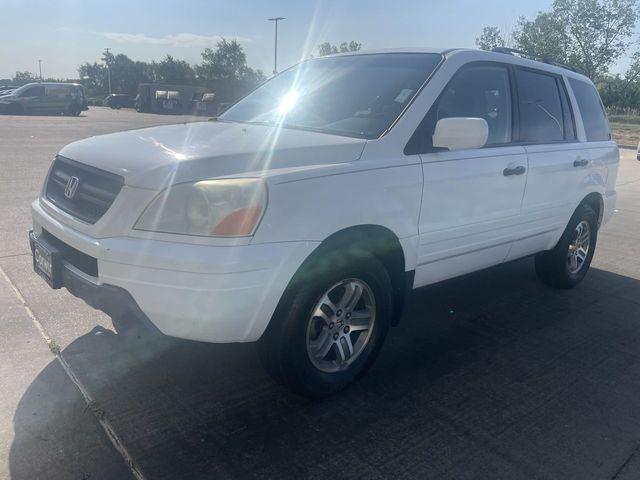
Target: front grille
x,y
96,189
83,262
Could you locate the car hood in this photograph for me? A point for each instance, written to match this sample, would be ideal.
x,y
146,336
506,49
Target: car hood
x,y
159,156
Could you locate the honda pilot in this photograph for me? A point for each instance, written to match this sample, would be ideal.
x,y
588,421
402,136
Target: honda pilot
x,y
303,215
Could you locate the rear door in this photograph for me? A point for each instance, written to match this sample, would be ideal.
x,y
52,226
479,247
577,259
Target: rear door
x,y
57,98
471,198
548,132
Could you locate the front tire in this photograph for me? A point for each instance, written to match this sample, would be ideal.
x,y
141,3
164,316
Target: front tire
x,y
329,325
567,264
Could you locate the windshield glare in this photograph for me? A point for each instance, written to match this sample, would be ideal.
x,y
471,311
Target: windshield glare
x,y
357,95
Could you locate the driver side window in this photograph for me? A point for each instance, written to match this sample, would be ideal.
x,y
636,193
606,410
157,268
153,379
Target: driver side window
x,y
477,91
35,91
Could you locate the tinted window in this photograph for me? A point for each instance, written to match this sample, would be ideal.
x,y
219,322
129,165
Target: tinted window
x,y
540,108
36,91
57,91
355,95
480,91
591,110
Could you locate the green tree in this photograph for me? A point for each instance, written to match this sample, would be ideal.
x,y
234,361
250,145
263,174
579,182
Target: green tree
x,y
171,70
544,35
327,48
490,38
126,75
621,92
225,70
94,78
597,31
352,46
589,34
22,78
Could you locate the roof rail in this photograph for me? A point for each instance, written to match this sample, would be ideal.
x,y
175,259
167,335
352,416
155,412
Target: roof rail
x,y
533,56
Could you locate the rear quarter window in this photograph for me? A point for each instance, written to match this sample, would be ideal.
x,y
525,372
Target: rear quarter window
x,y
593,115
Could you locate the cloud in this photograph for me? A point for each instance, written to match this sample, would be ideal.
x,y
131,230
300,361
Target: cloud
x,y
182,40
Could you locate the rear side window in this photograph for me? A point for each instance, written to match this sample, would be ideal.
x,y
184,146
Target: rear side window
x,y
593,116
540,106
57,91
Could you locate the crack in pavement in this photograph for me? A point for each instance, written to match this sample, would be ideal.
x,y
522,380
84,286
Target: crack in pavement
x,y
90,402
620,470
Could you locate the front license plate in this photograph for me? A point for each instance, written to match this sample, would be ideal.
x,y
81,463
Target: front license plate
x,y
46,263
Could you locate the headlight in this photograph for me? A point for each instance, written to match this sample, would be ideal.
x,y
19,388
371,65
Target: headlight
x,y
216,208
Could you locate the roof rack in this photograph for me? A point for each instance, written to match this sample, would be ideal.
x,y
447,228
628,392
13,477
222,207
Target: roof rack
x,y
533,56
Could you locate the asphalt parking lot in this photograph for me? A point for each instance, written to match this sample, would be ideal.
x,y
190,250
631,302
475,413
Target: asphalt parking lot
x,y
492,375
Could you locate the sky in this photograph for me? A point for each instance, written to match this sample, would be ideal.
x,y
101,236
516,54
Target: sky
x,y
66,33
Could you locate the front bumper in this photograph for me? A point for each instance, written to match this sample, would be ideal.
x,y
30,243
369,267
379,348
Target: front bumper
x,y
114,301
198,292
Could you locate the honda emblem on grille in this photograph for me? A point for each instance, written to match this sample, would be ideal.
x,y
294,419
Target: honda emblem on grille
x,y
71,187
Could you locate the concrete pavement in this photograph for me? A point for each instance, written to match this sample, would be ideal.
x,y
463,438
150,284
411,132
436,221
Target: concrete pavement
x,y
492,375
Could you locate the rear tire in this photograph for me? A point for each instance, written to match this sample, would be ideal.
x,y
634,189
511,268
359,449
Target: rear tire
x,y
567,264
291,348
74,110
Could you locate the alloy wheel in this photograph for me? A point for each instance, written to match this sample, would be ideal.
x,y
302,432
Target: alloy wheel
x,y
340,325
579,247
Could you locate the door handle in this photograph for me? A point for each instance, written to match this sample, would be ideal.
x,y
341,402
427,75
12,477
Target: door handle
x,y
519,170
583,162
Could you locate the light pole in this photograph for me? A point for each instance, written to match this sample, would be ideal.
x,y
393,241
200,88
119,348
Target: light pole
x,y
40,68
275,50
106,51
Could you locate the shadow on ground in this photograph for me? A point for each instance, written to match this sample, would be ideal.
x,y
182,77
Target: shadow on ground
x,y
488,376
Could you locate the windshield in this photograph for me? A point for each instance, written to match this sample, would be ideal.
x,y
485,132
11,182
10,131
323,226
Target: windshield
x,y
355,95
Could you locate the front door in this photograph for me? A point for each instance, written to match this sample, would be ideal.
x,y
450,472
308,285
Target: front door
x,y
32,99
472,198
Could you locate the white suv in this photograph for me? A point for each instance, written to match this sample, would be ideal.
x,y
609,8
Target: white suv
x,y
303,215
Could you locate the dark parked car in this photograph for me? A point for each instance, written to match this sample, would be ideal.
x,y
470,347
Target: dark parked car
x,y
119,100
45,98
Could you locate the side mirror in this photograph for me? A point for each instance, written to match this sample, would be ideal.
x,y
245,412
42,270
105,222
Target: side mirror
x,y
458,133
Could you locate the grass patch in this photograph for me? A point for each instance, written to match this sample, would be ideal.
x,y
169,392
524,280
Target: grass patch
x,y
625,133
632,119
54,347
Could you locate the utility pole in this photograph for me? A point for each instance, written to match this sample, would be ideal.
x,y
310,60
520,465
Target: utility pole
x,y
275,50
106,51
40,68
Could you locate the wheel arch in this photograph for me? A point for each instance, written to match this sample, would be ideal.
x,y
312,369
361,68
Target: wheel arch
x,y
595,201
375,240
